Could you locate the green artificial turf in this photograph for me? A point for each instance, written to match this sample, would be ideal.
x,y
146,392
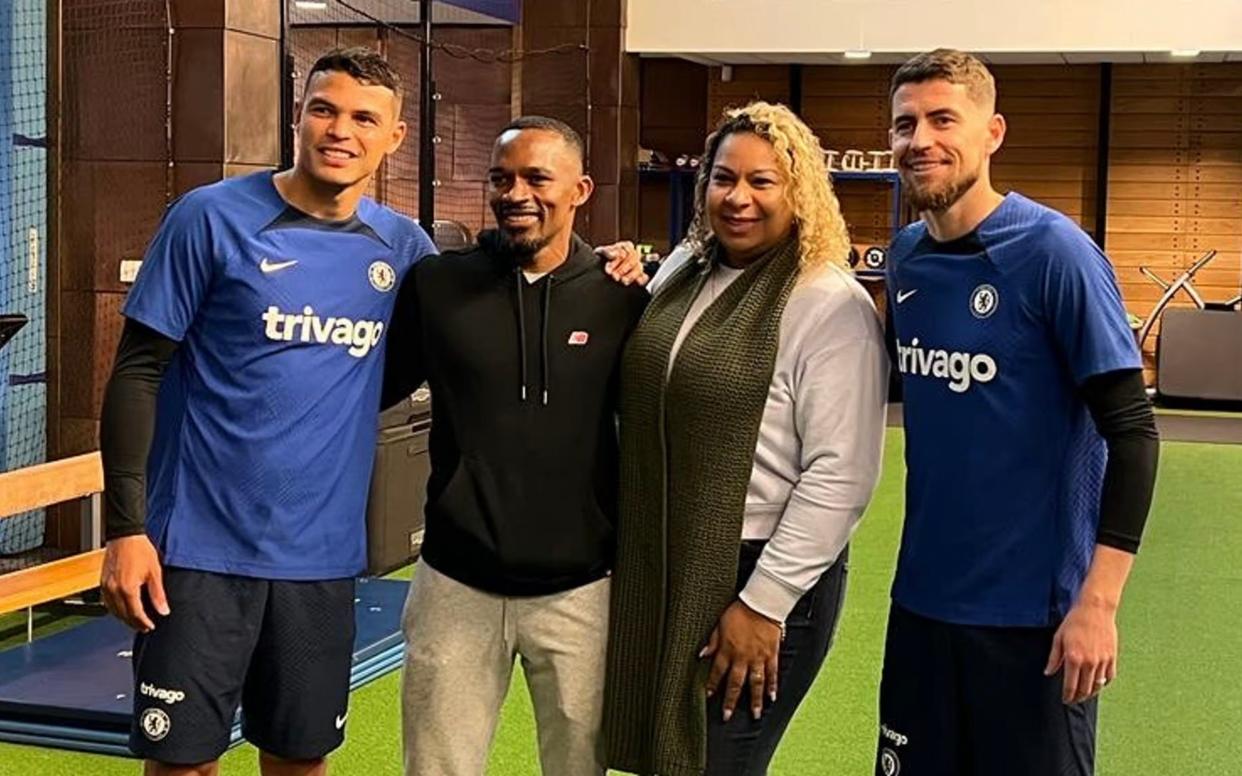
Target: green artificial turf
x,y
1175,709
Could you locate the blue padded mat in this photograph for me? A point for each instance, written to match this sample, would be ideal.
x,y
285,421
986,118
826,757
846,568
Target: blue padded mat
x,y
73,689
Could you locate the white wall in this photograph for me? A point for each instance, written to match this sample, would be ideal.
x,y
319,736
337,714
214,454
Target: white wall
x,y
758,26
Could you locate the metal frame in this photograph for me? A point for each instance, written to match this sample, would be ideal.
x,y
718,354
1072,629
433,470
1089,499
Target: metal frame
x,y
888,176
92,522
426,127
91,538
1180,283
1194,294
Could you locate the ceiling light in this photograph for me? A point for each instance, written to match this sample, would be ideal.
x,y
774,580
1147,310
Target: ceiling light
x,y
858,54
1184,52
311,5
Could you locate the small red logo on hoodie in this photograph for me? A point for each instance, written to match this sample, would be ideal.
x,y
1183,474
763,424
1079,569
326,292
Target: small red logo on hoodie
x,y
578,338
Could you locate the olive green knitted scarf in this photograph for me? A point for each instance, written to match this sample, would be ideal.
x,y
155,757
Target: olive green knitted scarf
x,y
687,451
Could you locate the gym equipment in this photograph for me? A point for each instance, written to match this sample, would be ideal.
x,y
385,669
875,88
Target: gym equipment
x,y
875,257
399,485
852,161
450,235
1190,290
10,324
1181,283
1199,355
1199,351
72,690
881,160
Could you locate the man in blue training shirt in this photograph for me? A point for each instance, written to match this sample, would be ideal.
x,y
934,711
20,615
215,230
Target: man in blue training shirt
x,y
1030,448
249,376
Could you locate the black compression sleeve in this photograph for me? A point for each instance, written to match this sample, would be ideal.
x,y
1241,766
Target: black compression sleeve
x,y
1123,416
128,425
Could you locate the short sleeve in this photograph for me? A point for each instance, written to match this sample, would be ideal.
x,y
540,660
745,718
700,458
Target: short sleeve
x,y
1084,307
176,270
421,245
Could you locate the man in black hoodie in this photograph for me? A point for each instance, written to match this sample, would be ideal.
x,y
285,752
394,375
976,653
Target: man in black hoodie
x,y
520,339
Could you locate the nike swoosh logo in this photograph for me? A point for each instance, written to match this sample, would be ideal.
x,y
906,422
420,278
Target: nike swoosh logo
x,y
904,295
267,266
340,721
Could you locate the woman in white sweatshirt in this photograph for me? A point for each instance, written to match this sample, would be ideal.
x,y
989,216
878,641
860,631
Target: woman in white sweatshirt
x,y
752,421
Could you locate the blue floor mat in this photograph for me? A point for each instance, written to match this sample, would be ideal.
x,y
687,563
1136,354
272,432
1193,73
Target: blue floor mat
x,y
72,690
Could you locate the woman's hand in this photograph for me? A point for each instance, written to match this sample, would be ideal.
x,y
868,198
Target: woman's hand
x,y
744,645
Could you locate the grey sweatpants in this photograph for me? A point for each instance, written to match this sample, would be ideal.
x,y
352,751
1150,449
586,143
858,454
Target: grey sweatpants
x,y
459,653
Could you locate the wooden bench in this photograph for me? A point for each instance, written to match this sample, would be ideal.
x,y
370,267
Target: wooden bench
x,y
35,487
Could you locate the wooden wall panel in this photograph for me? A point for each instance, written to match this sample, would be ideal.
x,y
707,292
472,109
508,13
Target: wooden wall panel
x,y
847,107
1175,175
674,106
1050,149
673,121
749,82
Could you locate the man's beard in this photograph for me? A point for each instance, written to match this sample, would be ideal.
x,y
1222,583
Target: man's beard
x,y
938,200
522,249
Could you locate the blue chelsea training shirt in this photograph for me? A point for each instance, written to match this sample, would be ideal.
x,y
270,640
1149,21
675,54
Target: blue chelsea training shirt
x,y
266,424
995,333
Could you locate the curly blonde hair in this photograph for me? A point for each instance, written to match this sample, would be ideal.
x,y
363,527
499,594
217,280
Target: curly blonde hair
x,y
822,235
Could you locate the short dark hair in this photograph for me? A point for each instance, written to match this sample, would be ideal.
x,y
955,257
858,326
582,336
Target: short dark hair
x,y
956,67
362,63
567,133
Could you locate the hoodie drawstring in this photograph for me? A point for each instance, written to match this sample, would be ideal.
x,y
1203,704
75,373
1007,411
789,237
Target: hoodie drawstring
x,y
543,345
543,333
521,311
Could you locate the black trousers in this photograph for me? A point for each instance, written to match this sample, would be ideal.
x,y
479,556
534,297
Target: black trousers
x,y
744,746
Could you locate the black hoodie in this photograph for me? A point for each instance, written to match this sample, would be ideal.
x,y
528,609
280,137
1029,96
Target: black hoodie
x,y
522,498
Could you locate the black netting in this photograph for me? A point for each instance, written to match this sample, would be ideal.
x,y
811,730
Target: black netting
x,y
23,260
472,63
115,62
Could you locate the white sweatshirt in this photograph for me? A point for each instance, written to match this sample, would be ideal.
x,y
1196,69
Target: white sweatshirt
x,y
821,439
